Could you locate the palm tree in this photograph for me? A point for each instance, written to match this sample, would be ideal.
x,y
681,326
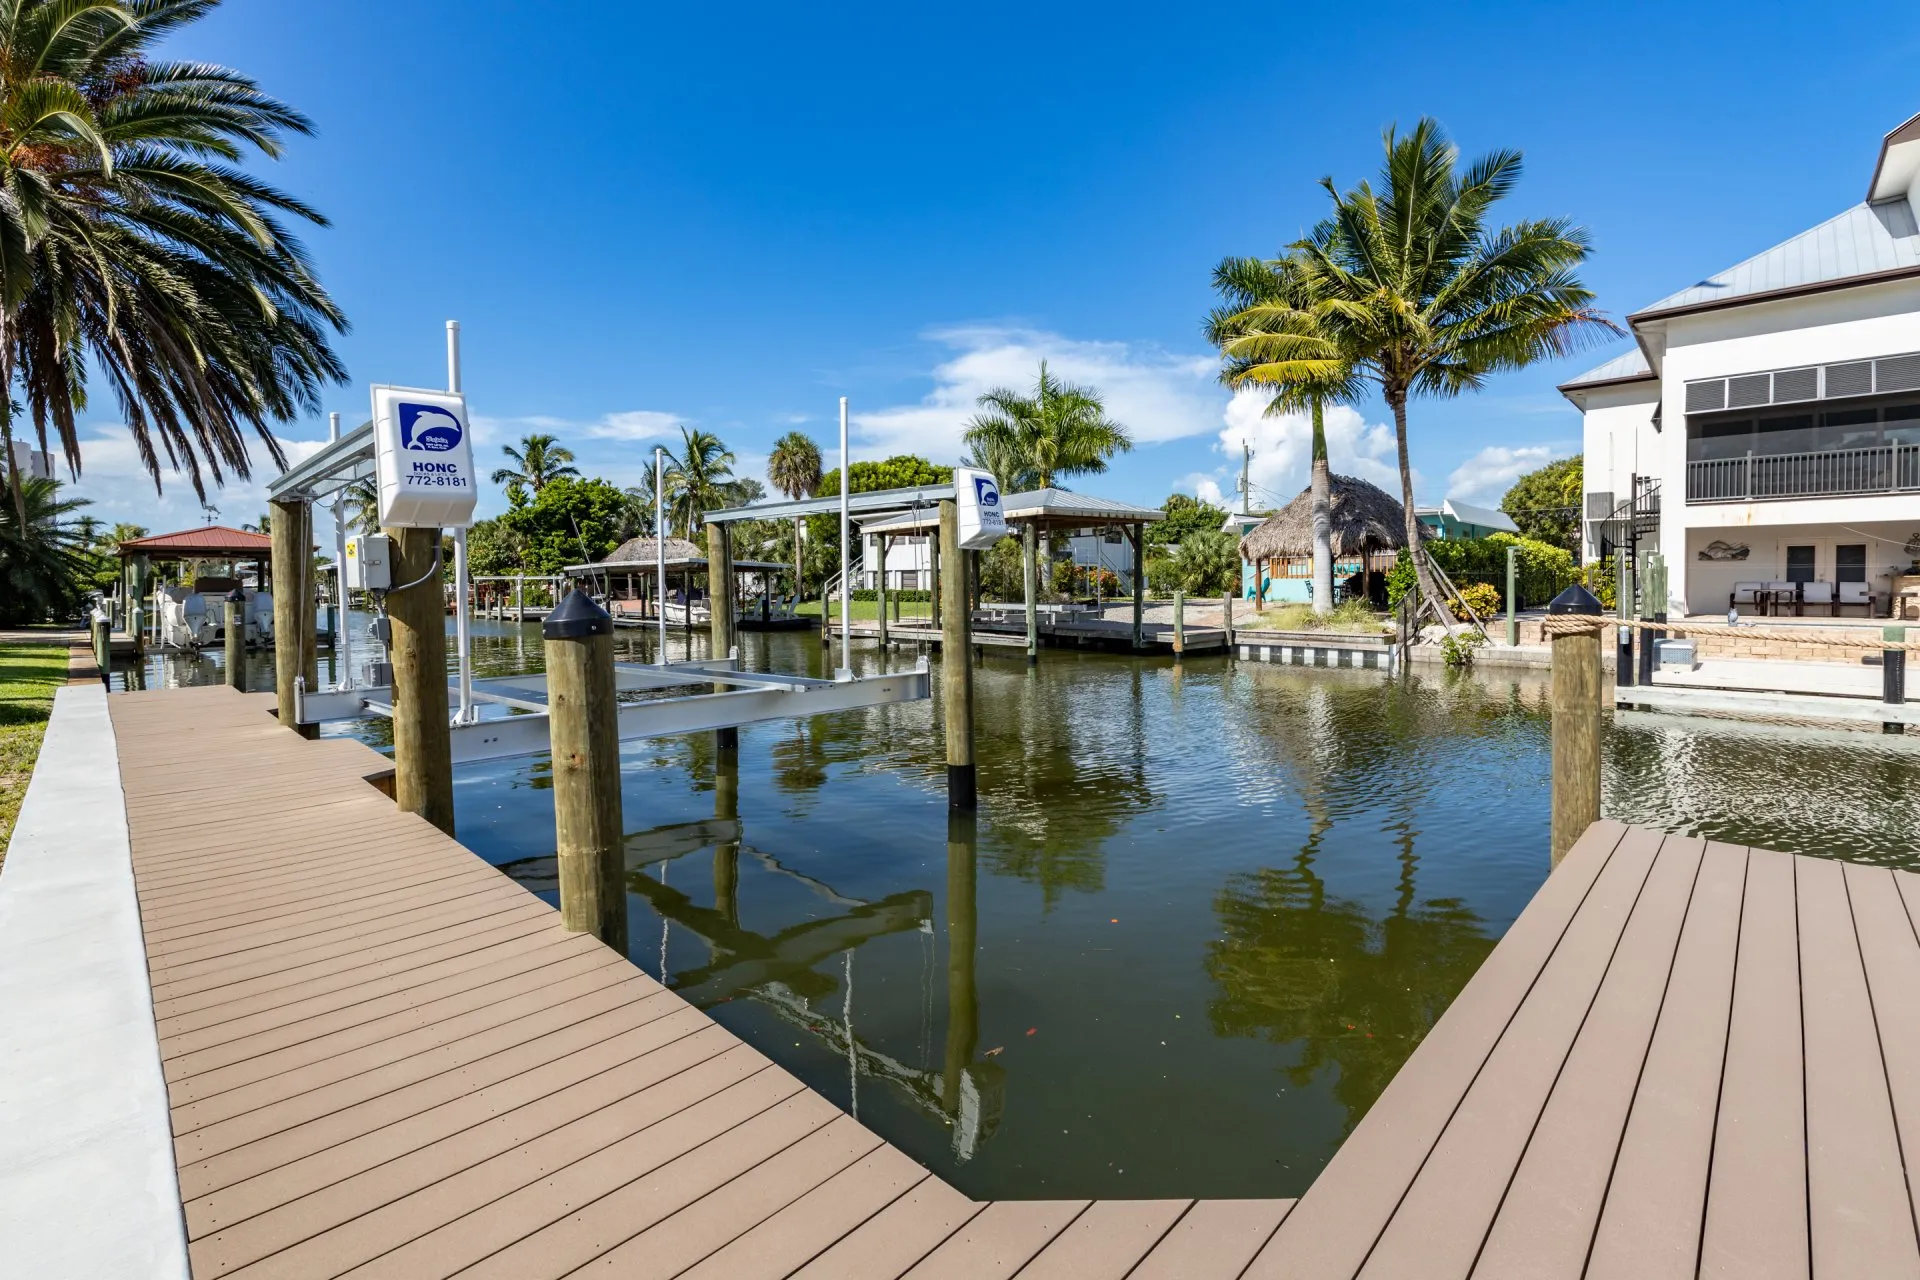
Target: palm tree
x,y
794,469
998,457
44,562
697,478
1059,430
1270,336
1423,297
363,506
539,458
132,245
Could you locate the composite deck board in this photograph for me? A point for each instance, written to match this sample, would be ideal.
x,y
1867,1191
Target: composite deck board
x,y
385,1059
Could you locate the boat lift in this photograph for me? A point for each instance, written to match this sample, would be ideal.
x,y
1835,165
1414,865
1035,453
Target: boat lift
x,y
501,717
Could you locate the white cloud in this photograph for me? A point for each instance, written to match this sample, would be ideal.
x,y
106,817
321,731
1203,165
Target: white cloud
x,y
626,425
1488,474
117,485
1283,450
1159,395
1204,487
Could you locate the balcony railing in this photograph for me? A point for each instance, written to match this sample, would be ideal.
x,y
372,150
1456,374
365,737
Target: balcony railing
x,y
1885,468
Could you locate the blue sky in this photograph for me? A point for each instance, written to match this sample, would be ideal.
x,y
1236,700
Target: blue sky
x,y
731,215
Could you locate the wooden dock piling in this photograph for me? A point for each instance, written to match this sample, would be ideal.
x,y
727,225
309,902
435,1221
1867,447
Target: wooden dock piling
x,y
1138,535
1893,675
720,611
293,649
1513,603
880,592
1179,624
583,718
235,623
422,741
956,667
1574,625
1226,619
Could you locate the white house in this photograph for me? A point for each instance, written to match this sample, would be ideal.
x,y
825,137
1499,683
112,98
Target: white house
x,y
1766,427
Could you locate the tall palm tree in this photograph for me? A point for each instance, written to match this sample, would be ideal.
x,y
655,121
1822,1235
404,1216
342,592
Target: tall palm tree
x,y
1060,430
697,478
539,458
794,469
1271,337
132,244
1424,297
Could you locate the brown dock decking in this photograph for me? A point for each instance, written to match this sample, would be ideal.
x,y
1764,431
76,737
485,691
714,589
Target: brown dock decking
x,y
386,1059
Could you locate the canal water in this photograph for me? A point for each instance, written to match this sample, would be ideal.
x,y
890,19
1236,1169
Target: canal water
x,y
1204,913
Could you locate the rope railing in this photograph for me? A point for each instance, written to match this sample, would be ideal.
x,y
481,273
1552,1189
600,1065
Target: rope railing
x,y
1570,624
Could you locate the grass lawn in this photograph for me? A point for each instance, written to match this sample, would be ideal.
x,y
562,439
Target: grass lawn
x,y
1349,619
29,673
868,610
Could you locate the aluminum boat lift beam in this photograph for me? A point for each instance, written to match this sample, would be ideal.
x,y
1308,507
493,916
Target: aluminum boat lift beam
x,y
750,697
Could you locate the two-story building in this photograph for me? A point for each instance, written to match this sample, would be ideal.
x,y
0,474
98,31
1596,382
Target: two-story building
x,y
1766,425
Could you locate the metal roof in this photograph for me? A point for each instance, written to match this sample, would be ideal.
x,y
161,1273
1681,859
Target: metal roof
x,y
1059,504
209,542
1631,366
872,500
333,468
1867,240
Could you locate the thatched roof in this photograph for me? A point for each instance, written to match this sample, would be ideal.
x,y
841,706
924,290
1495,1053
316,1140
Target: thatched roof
x,y
1364,517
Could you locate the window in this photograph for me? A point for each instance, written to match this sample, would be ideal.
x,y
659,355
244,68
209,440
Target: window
x,y
1791,434
1850,563
1774,432
1800,564
1720,439
1849,429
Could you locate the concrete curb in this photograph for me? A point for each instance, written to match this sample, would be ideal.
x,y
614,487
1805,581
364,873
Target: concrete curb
x,y
88,1187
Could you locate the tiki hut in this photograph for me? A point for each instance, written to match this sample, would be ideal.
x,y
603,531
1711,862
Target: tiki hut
x,y
1368,528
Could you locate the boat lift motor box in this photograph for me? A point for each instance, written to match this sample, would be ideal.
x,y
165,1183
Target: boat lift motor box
x,y
423,458
982,523
369,562
1674,655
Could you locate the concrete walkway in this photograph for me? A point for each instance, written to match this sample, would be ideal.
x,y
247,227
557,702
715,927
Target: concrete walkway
x,y
87,1184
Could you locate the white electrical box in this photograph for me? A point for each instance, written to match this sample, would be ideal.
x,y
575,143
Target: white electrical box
x,y
369,562
982,523
423,458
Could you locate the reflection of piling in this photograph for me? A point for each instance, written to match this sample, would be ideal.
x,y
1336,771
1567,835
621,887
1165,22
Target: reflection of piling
x,y
956,672
236,625
292,633
1574,625
583,718
963,996
422,741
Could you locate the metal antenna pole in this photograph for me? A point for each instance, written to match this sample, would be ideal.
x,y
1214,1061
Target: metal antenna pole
x,y
846,549
660,547
463,632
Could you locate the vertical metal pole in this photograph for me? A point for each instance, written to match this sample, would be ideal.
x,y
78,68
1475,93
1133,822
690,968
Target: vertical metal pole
x,y
1138,535
1576,722
462,630
1513,577
1030,579
583,719
342,633
660,547
956,665
846,548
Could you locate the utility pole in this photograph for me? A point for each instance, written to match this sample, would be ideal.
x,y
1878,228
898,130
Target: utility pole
x,y
1246,477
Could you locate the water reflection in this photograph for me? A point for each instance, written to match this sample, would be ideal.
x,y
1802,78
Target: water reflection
x,y
1203,916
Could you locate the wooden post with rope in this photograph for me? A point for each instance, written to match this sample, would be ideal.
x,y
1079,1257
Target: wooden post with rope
x,y
1573,625
956,664
720,614
422,736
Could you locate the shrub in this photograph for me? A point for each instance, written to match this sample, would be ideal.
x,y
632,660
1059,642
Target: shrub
x,y
893,593
1400,578
1479,597
1457,650
1207,563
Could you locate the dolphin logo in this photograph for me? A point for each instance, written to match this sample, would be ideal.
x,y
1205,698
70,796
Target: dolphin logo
x,y
428,428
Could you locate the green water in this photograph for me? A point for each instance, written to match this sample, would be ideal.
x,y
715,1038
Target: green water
x,y
1203,916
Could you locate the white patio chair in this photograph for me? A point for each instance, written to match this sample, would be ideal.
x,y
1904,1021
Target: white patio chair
x,y
1780,593
1816,593
1746,593
1854,595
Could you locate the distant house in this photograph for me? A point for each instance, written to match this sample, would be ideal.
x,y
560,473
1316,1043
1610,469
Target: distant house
x,y
1453,520
1766,425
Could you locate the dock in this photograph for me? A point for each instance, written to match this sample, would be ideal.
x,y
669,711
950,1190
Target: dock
x,y
1010,632
381,1057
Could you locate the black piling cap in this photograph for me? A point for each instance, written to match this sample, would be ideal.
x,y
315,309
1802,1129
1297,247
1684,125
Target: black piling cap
x,y
237,596
1576,599
577,618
